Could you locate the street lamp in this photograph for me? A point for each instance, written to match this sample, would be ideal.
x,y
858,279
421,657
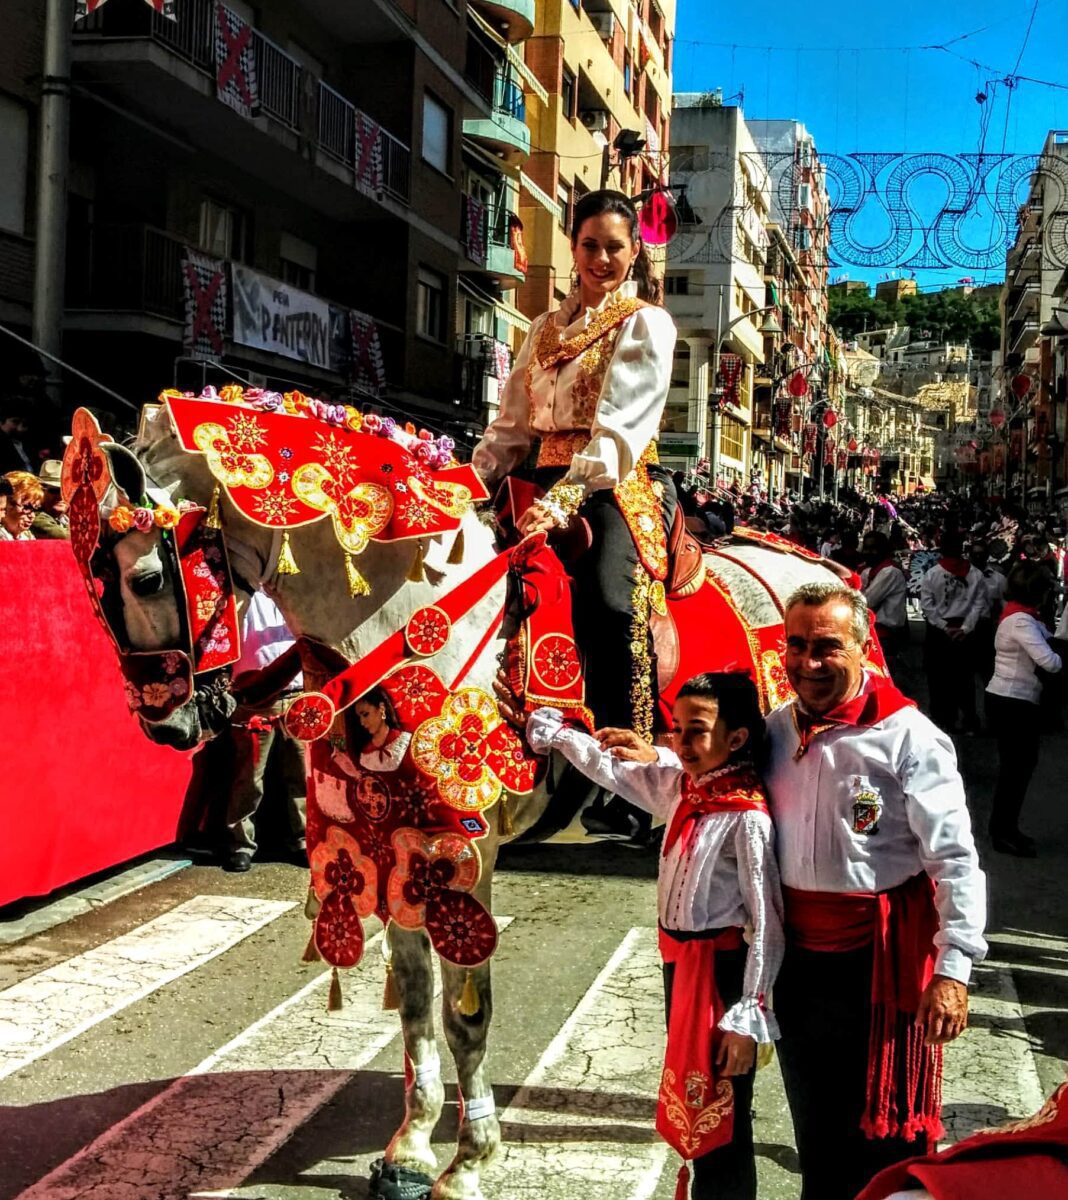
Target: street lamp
x,y
770,327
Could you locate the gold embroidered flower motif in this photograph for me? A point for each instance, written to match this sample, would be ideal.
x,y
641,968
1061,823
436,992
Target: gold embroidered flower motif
x,y
338,458
358,513
452,499
229,463
246,432
274,507
688,1114
451,748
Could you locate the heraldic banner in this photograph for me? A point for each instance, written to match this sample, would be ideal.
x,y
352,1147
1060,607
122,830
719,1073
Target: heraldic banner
x,y
207,304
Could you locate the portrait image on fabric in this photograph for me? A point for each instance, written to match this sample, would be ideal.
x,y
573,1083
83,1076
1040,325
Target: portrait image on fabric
x,y
884,900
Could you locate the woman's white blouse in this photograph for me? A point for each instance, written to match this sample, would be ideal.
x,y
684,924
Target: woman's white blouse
x,y
624,419
1020,645
729,877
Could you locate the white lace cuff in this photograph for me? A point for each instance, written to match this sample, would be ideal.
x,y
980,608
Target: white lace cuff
x,y
752,1019
542,727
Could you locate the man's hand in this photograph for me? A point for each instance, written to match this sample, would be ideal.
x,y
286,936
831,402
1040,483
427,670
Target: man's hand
x,y
535,520
626,745
510,708
943,1010
736,1054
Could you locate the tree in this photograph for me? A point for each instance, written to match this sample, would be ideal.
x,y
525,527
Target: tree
x,y
946,316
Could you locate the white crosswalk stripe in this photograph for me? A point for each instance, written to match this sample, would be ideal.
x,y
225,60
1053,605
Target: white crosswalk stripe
x,y
52,1007
580,1123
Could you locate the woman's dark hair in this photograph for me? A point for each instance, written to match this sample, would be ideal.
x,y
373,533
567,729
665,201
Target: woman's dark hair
x,y
375,697
596,204
1028,583
738,702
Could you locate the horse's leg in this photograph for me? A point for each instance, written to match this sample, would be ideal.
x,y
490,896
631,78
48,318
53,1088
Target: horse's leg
x,y
480,1133
425,1096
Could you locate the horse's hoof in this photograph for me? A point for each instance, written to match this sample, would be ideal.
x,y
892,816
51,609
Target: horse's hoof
x,y
391,1181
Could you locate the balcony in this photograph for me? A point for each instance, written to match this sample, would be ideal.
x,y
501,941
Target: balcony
x,y
1026,301
505,130
514,18
165,70
492,250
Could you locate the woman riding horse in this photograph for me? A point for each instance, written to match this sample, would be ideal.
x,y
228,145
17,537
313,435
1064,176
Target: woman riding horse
x,y
590,384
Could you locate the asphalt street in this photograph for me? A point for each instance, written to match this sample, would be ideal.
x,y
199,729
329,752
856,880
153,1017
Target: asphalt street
x,y
172,1044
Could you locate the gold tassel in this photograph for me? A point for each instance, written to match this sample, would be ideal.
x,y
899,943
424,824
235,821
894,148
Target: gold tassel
x,y
415,571
333,1004
311,905
456,554
504,819
311,950
214,517
287,564
469,1003
358,586
390,999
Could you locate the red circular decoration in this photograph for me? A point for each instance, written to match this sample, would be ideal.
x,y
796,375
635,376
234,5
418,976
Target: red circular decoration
x,y
460,929
830,418
555,662
339,931
997,418
309,717
428,630
798,385
852,445
1021,385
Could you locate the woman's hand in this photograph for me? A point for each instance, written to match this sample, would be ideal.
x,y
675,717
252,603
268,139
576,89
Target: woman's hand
x,y
535,520
626,745
736,1054
569,309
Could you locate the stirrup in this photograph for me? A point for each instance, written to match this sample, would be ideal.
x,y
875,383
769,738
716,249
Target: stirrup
x,y
392,1181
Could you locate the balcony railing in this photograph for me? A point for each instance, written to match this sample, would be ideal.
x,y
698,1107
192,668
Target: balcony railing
x,y
280,80
130,268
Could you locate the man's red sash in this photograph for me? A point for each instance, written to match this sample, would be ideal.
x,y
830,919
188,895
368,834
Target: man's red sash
x,y
695,1107
904,1091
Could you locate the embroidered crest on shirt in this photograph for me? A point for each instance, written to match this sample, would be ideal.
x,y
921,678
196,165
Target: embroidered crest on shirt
x,y
867,807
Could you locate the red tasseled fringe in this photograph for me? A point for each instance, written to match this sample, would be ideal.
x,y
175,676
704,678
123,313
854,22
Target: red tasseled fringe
x,y
682,1183
904,1092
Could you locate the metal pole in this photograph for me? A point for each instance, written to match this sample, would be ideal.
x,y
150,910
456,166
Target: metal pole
x,y
53,156
713,448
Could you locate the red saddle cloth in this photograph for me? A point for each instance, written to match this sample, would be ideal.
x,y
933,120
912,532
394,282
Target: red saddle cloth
x,y
1020,1159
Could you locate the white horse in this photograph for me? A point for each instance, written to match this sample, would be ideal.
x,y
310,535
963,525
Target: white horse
x,y
316,603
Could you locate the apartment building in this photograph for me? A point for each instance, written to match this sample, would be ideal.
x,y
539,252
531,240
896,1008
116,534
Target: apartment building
x,y
603,69
716,288
308,193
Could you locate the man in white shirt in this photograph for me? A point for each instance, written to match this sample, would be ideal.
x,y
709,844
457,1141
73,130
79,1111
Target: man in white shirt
x,y
884,901
953,597
886,591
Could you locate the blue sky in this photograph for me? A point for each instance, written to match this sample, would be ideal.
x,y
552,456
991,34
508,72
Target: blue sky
x,y
854,74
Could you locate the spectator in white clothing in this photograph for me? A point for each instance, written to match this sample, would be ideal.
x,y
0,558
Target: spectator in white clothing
x,y
886,590
953,598
1012,701
994,584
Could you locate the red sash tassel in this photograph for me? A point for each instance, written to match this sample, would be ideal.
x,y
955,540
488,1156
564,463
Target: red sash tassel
x,y
904,1088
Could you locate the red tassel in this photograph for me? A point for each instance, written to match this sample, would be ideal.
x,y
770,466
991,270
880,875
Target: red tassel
x,y
682,1184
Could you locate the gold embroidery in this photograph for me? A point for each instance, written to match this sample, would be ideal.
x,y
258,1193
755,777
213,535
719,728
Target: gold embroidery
x,y
552,354
689,1114
640,506
592,367
778,686
562,501
641,658
558,449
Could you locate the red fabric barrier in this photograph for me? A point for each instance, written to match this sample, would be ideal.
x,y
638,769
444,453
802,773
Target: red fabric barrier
x,y
81,787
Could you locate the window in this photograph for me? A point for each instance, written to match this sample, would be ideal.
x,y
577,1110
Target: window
x,y
14,152
567,94
430,304
689,158
731,438
563,200
677,285
224,230
437,134
628,73
299,260
680,367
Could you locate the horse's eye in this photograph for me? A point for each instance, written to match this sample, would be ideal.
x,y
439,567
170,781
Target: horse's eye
x,y
148,583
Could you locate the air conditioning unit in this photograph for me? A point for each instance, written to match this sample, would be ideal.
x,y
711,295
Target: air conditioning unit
x,y
595,119
604,23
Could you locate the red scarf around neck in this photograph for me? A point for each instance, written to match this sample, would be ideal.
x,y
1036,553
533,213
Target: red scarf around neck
x,y
736,790
877,700
879,567
1013,607
955,566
